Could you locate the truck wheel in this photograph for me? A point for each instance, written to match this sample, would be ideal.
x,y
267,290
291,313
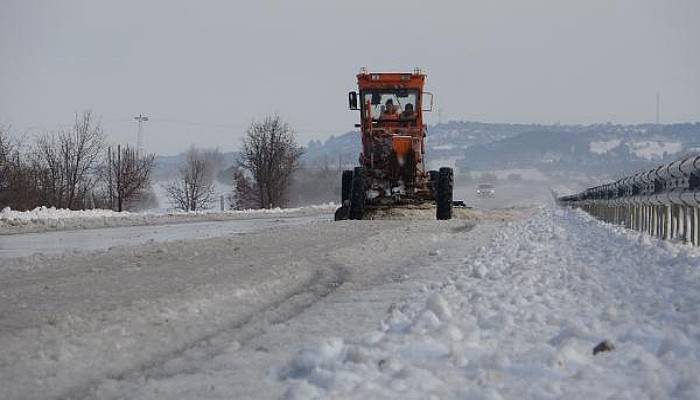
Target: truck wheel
x,y
344,210
357,194
443,198
346,187
341,213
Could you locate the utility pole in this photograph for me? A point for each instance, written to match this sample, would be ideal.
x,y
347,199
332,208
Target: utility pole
x,y
139,137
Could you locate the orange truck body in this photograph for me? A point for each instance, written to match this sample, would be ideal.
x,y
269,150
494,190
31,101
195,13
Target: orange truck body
x,y
393,136
392,166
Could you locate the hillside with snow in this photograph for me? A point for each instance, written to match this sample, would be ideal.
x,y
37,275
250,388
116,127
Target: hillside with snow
x,y
566,149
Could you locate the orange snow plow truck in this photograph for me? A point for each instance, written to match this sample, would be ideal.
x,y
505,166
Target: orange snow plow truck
x,y
392,170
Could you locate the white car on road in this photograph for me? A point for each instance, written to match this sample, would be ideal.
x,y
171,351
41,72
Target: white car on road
x,y
485,190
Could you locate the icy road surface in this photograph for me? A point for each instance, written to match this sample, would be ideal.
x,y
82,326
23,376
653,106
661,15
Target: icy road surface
x,y
360,309
157,319
26,244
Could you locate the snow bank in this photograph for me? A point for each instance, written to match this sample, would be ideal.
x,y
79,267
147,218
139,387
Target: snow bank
x,y
43,219
521,319
52,213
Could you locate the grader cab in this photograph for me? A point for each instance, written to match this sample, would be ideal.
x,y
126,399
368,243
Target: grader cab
x,y
392,169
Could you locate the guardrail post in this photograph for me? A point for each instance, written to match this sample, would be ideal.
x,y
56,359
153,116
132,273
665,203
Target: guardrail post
x,y
640,215
696,225
691,225
640,223
675,218
629,221
684,223
657,221
647,219
693,219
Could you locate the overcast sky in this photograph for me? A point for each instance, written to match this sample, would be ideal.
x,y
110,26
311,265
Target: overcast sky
x,y
203,70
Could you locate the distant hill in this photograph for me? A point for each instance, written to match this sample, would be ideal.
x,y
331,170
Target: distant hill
x,y
600,149
595,149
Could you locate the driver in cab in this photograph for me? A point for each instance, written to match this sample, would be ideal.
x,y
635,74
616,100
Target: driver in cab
x,y
389,111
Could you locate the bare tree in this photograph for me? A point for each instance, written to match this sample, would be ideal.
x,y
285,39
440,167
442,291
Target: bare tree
x,y
245,193
67,162
193,189
126,175
271,155
7,168
5,156
18,183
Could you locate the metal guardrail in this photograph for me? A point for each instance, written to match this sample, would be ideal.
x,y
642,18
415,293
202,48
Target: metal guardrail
x,y
663,202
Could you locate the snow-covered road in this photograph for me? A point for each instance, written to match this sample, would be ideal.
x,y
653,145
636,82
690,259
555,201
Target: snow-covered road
x,y
509,307
153,319
26,244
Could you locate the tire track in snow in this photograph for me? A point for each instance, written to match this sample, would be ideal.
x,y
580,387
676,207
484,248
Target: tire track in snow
x,y
239,333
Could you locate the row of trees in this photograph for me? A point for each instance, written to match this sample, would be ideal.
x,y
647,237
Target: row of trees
x,y
72,168
75,169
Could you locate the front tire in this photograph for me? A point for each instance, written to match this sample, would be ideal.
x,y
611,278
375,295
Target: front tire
x,y
357,194
445,186
341,213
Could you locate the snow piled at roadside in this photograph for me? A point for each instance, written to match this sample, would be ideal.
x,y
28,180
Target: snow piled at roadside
x,y
50,218
521,320
8,215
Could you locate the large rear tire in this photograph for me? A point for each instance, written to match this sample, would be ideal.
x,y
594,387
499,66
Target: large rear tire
x,y
357,194
346,186
443,198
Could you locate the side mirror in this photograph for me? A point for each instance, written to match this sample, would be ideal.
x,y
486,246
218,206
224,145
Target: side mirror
x,y
352,100
427,101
